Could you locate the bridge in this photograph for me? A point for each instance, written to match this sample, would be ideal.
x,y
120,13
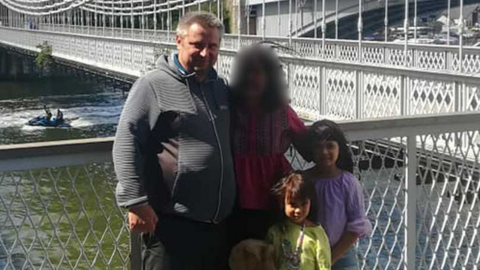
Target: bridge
x,y
411,111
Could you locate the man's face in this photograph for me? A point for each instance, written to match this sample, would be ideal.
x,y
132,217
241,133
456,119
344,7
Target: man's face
x,y
198,50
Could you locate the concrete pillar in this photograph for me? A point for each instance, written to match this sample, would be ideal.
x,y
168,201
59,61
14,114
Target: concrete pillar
x,y
3,64
14,67
26,67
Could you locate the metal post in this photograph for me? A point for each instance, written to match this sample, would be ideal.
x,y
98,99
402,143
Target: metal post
x,y
96,19
162,21
169,22
280,19
155,18
323,90
336,19
360,29
410,203
406,30
296,17
324,28
132,19
104,19
460,40
264,22
143,22
113,19
415,23
359,94
247,13
82,20
386,20
290,23
239,22
448,22
315,19
88,22
74,23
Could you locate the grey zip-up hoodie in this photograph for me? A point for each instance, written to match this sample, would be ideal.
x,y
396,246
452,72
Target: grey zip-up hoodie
x,y
172,147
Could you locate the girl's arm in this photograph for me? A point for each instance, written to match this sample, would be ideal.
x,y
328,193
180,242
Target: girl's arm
x,y
324,255
299,133
346,241
358,224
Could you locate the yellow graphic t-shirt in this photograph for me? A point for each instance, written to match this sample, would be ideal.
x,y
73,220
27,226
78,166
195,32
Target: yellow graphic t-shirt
x,y
314,253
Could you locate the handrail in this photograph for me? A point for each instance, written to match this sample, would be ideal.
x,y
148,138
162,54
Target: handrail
x,y
54,154
354,129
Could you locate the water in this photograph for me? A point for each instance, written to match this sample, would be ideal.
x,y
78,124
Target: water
x,y
60,218
92,110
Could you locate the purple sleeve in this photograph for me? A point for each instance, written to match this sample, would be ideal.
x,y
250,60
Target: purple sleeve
x,y
357,221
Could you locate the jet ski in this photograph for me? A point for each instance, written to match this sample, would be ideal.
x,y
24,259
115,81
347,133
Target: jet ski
x,y
42,121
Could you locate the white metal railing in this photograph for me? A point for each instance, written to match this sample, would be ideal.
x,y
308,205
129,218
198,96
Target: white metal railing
x,y
135,20
421,56
318,88
421,179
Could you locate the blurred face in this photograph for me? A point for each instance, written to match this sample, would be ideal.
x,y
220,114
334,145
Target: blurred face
x,y
198,49
297,210
325,154
256,82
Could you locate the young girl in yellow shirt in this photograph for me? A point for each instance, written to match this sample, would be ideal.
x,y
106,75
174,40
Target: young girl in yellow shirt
x,y
299,244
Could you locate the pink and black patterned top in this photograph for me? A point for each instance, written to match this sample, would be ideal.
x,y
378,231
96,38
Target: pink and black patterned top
x,y
260,141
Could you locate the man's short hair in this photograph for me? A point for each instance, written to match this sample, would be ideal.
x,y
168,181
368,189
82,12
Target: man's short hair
x,y
205,19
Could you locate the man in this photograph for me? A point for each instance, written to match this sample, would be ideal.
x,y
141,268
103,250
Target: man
x,y
48,113
59,117
172,154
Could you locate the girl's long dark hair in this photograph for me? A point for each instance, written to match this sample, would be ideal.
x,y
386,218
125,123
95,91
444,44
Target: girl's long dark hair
x,y
275,95
326,130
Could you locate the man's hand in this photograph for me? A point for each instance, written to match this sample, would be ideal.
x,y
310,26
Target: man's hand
x,y
142,219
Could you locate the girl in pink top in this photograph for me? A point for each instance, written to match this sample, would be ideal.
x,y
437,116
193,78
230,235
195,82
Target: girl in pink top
x,y
264,126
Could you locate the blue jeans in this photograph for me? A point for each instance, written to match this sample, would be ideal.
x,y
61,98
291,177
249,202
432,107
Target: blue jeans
x,y
348,261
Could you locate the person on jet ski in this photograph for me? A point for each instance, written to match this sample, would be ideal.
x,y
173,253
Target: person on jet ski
x,y
48,113
59,118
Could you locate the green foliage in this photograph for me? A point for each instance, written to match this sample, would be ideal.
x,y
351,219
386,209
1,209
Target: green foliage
x,y
44,58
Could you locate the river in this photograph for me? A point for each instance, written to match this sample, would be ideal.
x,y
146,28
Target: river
x,y
91,109
60,218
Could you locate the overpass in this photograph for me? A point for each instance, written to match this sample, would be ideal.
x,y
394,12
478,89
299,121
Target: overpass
x,y
341,17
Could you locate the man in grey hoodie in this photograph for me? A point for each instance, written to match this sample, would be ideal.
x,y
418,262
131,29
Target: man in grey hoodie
x,y
172,153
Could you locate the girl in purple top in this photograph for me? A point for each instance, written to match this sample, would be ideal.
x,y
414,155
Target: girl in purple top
x,y
339,199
